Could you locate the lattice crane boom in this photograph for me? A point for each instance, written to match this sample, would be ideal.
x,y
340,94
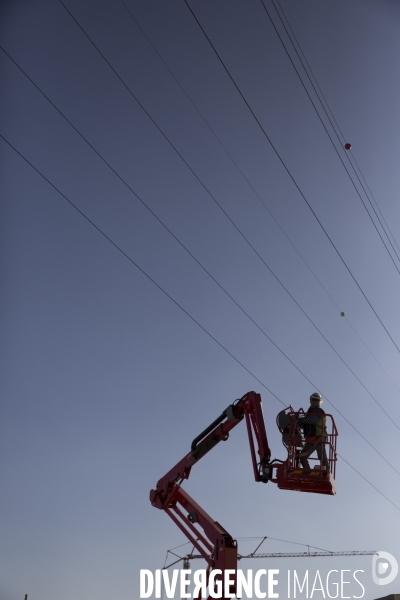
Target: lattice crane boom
x,y
190,556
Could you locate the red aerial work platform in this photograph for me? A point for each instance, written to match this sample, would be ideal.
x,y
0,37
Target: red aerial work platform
x,y
290,475
213,542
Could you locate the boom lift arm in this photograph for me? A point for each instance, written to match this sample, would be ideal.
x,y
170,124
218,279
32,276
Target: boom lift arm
x,y
209,538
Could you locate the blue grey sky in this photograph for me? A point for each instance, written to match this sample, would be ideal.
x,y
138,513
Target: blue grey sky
x,y
139,196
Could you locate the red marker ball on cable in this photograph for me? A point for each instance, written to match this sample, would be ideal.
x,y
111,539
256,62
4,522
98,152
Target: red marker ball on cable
x,y
347,146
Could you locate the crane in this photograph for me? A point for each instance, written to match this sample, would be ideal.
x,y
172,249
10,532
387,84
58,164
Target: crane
x,y
191,556
209,538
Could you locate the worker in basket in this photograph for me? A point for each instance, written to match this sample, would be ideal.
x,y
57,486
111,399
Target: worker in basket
x,y
315,434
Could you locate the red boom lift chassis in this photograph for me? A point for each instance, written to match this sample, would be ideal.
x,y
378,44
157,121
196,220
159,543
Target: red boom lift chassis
x,y
211,540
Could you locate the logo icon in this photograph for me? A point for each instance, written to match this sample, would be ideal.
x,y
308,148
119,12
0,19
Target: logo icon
x,y
385,564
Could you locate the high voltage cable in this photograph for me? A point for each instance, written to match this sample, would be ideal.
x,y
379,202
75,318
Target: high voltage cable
x,y
274,275
328,134
336,129
310,69
350,157
290,175
138,267
365,479
338,411
373,197
215,281
213,278
206,271
333,126
252,187
231,158
165,292
236,165
216,202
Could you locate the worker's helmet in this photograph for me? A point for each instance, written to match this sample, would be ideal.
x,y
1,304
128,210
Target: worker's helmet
x,y
316,396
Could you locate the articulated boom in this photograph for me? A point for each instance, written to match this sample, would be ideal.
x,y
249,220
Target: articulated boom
x,y
211,540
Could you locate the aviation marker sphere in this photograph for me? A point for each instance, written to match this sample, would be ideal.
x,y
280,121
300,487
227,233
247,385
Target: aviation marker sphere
x,y
347,146
342,314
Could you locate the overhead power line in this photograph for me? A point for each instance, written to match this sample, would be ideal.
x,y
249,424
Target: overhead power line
x,y
117,247
140,269
222,209
290,175
351,156
252,188
265,334
328,134
213,278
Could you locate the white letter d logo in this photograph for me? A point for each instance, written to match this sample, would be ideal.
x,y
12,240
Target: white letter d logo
x,y
380,568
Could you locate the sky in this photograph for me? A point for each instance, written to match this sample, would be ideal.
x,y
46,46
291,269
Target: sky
x,y
181,224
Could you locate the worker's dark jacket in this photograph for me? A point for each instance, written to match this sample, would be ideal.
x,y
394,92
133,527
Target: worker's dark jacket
x,y
313,423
